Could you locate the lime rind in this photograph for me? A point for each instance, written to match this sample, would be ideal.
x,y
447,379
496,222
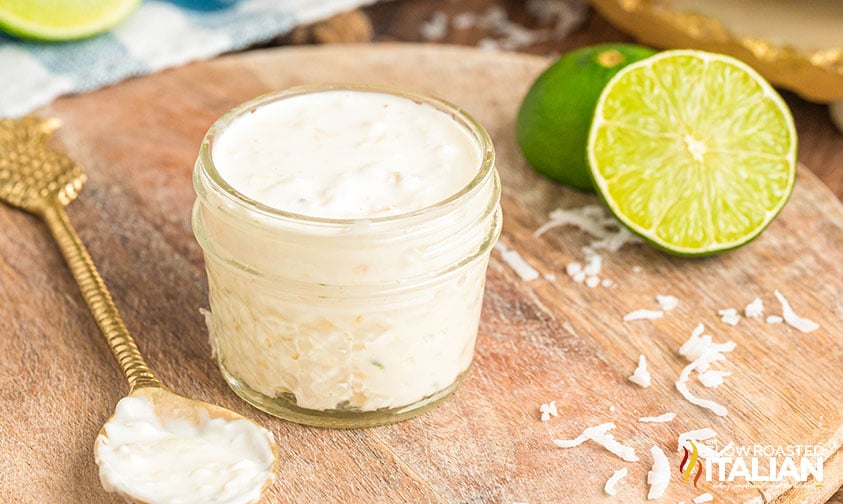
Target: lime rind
x,y
53,20
693,172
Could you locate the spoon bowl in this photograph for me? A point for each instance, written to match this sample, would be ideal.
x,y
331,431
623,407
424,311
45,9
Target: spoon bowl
x,y
41,180
157,416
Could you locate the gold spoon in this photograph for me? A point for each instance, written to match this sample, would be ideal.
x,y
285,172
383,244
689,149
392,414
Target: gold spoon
x,y
40,180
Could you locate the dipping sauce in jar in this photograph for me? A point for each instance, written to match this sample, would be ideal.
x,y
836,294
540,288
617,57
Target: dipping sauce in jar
x,y
346,233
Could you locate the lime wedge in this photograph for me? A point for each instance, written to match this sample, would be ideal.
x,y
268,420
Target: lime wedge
x,y
62,19
693,151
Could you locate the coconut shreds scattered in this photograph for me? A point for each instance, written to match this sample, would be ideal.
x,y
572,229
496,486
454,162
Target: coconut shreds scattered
x,y
774,319
755,309
712,378
599,434
793,320
667,302
548,410
517,263
565,15
509,35
594,220
700,347
574,270
659,475
608,235
550,277
701,351
618,475
641,376
667,417
729,316
643,314
706,497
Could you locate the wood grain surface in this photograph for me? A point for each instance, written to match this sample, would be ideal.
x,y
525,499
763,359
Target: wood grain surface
x,y
539,341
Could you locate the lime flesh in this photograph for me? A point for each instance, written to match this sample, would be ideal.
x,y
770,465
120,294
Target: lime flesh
x,y
62,19
693,151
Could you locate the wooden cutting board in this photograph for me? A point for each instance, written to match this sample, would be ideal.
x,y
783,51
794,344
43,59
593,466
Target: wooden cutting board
x,y
539,341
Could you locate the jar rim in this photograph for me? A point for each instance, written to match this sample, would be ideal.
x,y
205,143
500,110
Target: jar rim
x,y
465,120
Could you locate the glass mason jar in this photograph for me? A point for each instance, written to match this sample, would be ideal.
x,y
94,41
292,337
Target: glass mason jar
x,y
345,322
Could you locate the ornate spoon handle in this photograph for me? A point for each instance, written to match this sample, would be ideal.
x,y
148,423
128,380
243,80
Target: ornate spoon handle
x,y
99,300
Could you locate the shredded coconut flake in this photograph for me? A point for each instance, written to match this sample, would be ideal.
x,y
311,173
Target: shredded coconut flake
x,y
643,314
593,264
641,376
717,408
548,410
607,234
729,316
755,309
659,475
565,14
550,277
793,320
712,378
510,35
517,263
607,283
594,220
701,348
436,28
667,417
667,302
618,475
599,434
701,351
774,319
706,497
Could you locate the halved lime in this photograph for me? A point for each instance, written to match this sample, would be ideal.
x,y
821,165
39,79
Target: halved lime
x,y
693,151
62,19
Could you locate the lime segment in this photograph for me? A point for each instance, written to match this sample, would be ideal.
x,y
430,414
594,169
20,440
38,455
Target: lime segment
x,y
693,151
60,19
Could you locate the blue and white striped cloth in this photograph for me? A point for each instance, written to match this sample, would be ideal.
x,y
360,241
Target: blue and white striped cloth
x,y
160,34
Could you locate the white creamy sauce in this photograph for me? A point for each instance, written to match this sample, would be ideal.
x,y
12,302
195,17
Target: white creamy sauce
x,y
346,155
175,461
316,325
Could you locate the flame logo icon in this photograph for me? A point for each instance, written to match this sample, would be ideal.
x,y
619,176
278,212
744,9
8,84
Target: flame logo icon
x,y
689,461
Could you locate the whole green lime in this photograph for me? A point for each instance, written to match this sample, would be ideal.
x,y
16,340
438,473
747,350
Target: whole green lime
x,y
555,116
